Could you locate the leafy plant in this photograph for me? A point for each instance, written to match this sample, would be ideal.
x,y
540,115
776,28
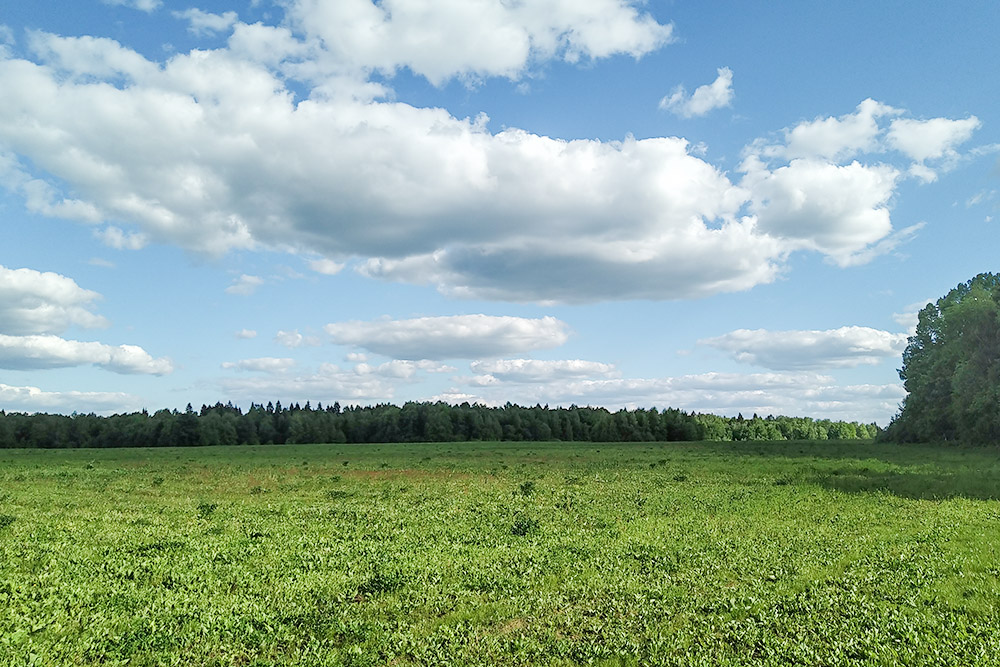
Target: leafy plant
x,y
205,510
524,525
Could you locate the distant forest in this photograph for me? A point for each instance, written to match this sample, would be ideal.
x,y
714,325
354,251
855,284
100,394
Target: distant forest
x,y
413,422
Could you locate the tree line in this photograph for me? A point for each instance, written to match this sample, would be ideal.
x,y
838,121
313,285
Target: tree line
x,y
951,368
412,422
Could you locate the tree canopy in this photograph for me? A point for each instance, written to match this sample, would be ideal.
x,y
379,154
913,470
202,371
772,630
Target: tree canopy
x,y
412,422
951,368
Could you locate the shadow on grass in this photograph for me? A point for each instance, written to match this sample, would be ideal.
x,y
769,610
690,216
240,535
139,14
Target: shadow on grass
x,y
918,485
945,454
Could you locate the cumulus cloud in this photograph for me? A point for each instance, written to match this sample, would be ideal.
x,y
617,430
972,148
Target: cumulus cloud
x,y
326,384
451,337
213,151
201,23
118,239
33,399
473,38
715,95
932,139
245,285
246,334
35,302
794,394
838,210
534,370
261,364
40,196
402,369
47,351
838,138
142,5
295,339
34,305
865,132
845,347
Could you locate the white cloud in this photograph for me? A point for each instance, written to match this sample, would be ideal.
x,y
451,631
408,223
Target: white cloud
x,y
839,138
533,370
363,383
327,384
793,394
115,238
261,365
246,334
142,5
33,302
86,56
33,399
39,196
715,95
245,285
452,337
473,38
34,305
980,197
212,151
120,240
401,369
838,210
327,267
295,339
202,23
845,347
47,351
931,139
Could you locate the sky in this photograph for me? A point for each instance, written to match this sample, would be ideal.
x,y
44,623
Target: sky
x,y
719,207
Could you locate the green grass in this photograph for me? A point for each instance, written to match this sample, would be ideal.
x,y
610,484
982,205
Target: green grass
x,y
825,553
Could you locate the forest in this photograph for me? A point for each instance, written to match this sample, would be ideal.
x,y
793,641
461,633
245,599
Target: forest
x,y
412,422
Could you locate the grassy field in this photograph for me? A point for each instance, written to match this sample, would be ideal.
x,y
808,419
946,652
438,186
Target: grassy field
x,y
804,553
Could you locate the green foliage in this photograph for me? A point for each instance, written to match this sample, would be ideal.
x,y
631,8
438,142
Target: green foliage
x,y
413,422
524,525
205,510
951,368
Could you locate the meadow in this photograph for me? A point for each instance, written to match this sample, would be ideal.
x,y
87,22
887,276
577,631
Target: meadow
x,y
756,553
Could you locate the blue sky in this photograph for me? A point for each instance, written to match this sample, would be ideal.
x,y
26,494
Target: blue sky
x,y
724,208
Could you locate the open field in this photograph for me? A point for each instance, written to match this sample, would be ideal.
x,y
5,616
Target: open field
x,y
813,553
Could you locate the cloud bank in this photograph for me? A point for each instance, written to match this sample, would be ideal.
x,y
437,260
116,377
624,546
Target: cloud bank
x,y
845,347
450,337
288,138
